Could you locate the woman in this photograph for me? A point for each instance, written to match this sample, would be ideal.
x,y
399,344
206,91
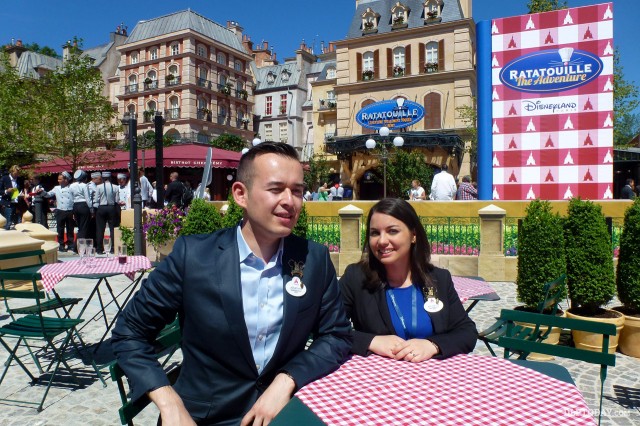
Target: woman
x,y
402,306
323,192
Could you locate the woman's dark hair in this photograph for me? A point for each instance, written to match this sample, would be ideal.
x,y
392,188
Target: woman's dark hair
x,y
375,272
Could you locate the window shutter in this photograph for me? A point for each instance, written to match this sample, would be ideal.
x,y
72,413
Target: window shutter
x,y
358,66
441,55
432,119
366,131
421,54
389,63
407,59
376,64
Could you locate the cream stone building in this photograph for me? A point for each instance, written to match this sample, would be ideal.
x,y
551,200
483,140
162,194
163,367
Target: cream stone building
x,y
420,51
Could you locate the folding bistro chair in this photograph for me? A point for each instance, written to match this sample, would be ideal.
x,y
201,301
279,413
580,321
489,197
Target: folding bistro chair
x,y
553,291
36,327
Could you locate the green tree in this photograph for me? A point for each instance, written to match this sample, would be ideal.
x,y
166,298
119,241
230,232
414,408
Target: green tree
x,y
317,172
202,218
403,167
77,114
537,6
628,276
234,213
469,115
229,142
44,50
625,101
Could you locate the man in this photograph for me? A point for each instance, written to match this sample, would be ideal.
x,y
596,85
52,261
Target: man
x,y
107,211
145,187
417,192
173,193
443,186
627,191
64,210
10,187
92,186
123,192
81,202
244,327
466,191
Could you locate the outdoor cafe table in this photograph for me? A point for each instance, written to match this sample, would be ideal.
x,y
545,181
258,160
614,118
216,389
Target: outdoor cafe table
x,y
474,288
101,269
461,390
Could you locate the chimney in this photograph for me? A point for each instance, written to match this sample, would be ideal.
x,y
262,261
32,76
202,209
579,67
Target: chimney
x,y
247,43
66,50
235,28
15,51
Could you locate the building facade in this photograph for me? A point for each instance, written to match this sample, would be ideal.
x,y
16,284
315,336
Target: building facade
x,y
421,51
196,72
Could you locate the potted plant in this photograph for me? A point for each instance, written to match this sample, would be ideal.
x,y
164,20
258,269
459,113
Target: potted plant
x,y
201,218
243,94
432,14
398,71
148,114
283,109
332,103
541,259
431,67
628,281
170,78
367,75
590,271
398,21
226,89
162,228
368,25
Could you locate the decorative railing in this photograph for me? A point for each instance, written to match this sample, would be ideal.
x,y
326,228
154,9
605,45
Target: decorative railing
x,y
453,235
172,113
324,230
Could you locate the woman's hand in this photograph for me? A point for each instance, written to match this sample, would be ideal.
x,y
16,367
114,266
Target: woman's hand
x,y
386,345
415,350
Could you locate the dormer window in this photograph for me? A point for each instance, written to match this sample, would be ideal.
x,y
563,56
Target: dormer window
x,y
432,9
285,75
370,21
271,78
202,51
399,14
331,72
134,57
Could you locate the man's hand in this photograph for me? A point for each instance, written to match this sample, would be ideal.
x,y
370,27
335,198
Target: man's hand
x,y
386,345
172,409
270,402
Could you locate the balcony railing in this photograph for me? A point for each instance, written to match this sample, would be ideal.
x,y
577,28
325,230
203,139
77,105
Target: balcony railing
x,y
204,115
329,103
151,86
131,88
173,82
329,136
241,94
222,119
172,114
203,82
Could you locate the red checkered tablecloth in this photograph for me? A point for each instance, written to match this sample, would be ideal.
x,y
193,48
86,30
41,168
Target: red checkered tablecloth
x,y
54,272
468,287
462,390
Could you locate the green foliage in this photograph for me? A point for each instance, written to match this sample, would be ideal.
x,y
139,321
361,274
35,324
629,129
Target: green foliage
x,y
127,238
536,6
234,213
45,50
469,115
589,256
201,218
163,226
403,167
317,173
541,255
625,101
628,276
301,226
229,142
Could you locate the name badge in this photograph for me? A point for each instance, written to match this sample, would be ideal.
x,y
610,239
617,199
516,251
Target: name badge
x,y
295,287
433,305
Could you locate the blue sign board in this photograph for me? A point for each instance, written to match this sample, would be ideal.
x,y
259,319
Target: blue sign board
x,y
394,114
551,70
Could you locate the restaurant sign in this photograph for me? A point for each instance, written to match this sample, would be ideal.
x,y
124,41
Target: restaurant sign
x,y
394,114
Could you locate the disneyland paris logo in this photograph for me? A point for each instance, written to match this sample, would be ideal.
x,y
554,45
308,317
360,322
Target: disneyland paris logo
x,y
553,107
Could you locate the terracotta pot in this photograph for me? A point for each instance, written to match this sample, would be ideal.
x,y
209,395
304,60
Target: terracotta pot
x,y
629,342
593,342
552,339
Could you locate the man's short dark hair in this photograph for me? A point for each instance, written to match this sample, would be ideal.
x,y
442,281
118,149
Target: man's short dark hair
x,y
629,181
444,168
466,178
245,169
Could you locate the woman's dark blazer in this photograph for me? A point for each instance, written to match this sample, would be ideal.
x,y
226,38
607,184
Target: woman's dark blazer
x,y
454,331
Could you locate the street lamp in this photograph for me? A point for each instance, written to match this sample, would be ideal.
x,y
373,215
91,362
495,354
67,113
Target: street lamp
x,y
256,141
398,141
130,124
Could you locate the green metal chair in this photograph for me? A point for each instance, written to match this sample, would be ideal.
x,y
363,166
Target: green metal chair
x,y
553,291
168,340
55,333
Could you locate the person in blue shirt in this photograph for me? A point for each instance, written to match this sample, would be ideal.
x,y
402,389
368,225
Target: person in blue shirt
x,y
400,304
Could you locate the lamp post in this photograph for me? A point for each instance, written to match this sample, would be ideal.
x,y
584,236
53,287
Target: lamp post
x,y
398,141
130,124
159,121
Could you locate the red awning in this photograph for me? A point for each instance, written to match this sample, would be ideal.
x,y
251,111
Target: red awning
x,y
187,155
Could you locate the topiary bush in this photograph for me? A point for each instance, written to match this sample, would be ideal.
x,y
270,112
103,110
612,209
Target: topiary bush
x,y
589,259
234,213
301,227
541,253
628,276
201,218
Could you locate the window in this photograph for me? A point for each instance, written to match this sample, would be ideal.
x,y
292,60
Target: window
x,y
223,80
268,132
268,105
432,52
221,59
432,116
202,76
202,103
151,81
238,66
369,20
222,113
133,84
151,106
367,61
398,57
173,69
271,78
431,9
202,51
284,134
331,95
134,57
174,108
398,14
285,75
175,49
131,109
153,54
283,103
331,72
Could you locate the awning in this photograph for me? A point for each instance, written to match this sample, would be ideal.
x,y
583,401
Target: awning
x,y
184,155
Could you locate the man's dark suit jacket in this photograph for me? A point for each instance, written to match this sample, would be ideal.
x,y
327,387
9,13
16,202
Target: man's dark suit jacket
x,y
454,331
200,281
173,194
5,183
627,193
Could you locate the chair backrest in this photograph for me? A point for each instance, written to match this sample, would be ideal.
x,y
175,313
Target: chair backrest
x,y
35,293
22,255
553,291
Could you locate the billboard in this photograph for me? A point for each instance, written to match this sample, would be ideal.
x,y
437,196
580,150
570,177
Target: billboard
x,y
552,104
394,114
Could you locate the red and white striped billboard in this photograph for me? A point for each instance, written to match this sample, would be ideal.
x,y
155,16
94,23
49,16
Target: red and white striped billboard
x,y
553,104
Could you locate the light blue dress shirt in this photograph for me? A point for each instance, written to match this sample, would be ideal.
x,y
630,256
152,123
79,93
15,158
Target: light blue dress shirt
x,y
262,300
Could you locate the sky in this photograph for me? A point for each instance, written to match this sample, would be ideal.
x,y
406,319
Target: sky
x,y
283,23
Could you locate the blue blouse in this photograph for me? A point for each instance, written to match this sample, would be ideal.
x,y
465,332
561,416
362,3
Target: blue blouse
x,y
417,323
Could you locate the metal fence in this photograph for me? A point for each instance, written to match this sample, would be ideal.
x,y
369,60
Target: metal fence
x,y
324,230
453,235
